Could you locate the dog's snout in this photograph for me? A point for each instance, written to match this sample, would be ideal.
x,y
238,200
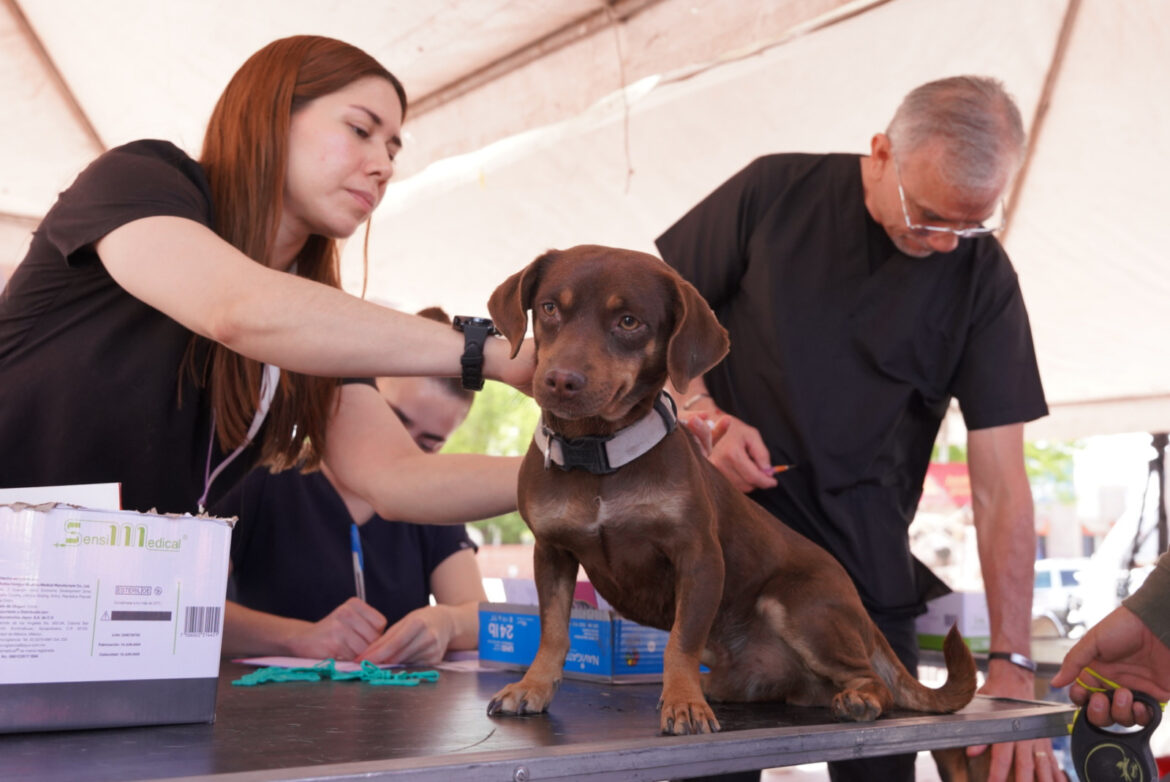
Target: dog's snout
x,y
564,382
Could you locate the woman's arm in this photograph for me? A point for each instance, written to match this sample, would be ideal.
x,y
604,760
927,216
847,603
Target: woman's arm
x,y
370,453
186,271
457,583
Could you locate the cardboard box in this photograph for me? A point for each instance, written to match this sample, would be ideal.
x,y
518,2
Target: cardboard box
x,y
108,618
602,645
968,610
107,496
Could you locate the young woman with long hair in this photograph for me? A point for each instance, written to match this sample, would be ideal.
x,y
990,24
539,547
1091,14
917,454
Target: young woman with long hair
x,y
139,336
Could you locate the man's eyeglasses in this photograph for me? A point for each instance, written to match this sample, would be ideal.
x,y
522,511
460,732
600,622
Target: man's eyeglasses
x,y
920,230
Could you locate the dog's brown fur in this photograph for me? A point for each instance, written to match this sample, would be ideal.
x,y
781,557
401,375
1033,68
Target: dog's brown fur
x,y
954,766
666,539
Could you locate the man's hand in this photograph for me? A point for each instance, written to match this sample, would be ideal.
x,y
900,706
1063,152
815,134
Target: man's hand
x,y
342,635
422,636
1122,649
705,429
742,457
1031,760
735,449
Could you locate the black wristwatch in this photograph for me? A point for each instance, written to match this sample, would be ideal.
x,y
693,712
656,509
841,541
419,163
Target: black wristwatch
x,y
475,334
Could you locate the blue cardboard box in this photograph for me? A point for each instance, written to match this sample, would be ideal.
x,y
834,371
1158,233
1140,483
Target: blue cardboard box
x,y
602,645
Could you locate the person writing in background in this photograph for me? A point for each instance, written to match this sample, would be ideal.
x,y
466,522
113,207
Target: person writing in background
x,y
862,293
1131,648
291,559
140,336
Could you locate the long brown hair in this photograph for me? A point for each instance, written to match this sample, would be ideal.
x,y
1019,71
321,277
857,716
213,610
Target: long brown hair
x,y
245,155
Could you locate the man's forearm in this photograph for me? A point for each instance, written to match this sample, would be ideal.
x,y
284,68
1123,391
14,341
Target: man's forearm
x,y
1001,502
1007,545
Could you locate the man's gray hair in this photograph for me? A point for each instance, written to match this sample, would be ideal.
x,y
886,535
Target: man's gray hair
x,y
977,121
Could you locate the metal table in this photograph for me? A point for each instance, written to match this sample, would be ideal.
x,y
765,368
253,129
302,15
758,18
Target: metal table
x,y
440,732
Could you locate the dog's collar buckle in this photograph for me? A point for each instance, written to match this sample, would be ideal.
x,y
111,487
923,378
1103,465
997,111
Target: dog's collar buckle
x,y
586,453
604,455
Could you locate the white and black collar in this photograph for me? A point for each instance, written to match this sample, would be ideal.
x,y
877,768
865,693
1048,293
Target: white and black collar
x,y
604,455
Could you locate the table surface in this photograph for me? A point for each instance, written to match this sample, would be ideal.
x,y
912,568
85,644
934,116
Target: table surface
x,y
440,731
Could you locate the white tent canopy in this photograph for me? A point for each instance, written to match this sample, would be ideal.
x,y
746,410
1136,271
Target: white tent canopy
x,y
537,125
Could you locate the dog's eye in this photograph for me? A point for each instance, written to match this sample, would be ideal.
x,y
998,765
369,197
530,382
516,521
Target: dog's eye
x,y
629,322
549,308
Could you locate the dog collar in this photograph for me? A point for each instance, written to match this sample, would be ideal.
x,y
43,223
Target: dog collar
x,y
604,455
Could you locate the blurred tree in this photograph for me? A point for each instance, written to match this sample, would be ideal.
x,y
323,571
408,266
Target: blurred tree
x,y
501,422
1049,466
955,454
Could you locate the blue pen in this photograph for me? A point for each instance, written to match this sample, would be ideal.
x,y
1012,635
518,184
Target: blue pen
x,y
359,568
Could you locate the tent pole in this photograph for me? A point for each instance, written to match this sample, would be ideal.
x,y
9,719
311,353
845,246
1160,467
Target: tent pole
x,y
1041,112
42,54
610,13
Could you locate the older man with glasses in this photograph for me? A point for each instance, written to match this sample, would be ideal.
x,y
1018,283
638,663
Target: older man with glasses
x,y
862,294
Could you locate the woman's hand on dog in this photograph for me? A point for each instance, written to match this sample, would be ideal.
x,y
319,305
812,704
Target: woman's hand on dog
x,y
516,372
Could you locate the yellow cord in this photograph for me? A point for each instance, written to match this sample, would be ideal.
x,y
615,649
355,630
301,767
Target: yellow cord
x,y
1100,678
1109,685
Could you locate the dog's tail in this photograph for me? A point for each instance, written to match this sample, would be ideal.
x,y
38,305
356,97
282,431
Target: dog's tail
x,y
909,693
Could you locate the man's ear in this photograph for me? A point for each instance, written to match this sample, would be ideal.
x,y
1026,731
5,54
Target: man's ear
x,y
698,341
881,152
510,302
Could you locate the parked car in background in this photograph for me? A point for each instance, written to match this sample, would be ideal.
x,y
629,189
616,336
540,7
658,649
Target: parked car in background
x,y
1055,587
1102,588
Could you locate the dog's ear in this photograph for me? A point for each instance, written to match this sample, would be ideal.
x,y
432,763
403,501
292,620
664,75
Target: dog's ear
x,y
510,302
698,341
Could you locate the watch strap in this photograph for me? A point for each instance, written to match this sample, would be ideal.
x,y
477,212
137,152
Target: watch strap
x,y
1015,658
475,334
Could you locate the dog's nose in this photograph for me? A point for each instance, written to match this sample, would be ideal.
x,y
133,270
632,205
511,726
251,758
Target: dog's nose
x,y
563,382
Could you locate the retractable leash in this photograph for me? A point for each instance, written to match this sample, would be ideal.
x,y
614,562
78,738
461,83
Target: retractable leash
x,y
1102,755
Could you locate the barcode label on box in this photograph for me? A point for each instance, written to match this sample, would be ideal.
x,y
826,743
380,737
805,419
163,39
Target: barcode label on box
x,y
202,620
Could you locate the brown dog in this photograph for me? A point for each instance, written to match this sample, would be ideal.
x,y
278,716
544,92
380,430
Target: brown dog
x,y
666,539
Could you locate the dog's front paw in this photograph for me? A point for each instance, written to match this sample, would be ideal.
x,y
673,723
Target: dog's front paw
x,y
687,716
855,706
526,696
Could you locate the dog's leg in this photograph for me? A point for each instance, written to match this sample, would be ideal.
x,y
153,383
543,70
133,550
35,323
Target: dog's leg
x,y
684,709
556,572
831,646
951,764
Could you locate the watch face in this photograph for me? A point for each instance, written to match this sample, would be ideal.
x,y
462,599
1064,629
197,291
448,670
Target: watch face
x,y
461,322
